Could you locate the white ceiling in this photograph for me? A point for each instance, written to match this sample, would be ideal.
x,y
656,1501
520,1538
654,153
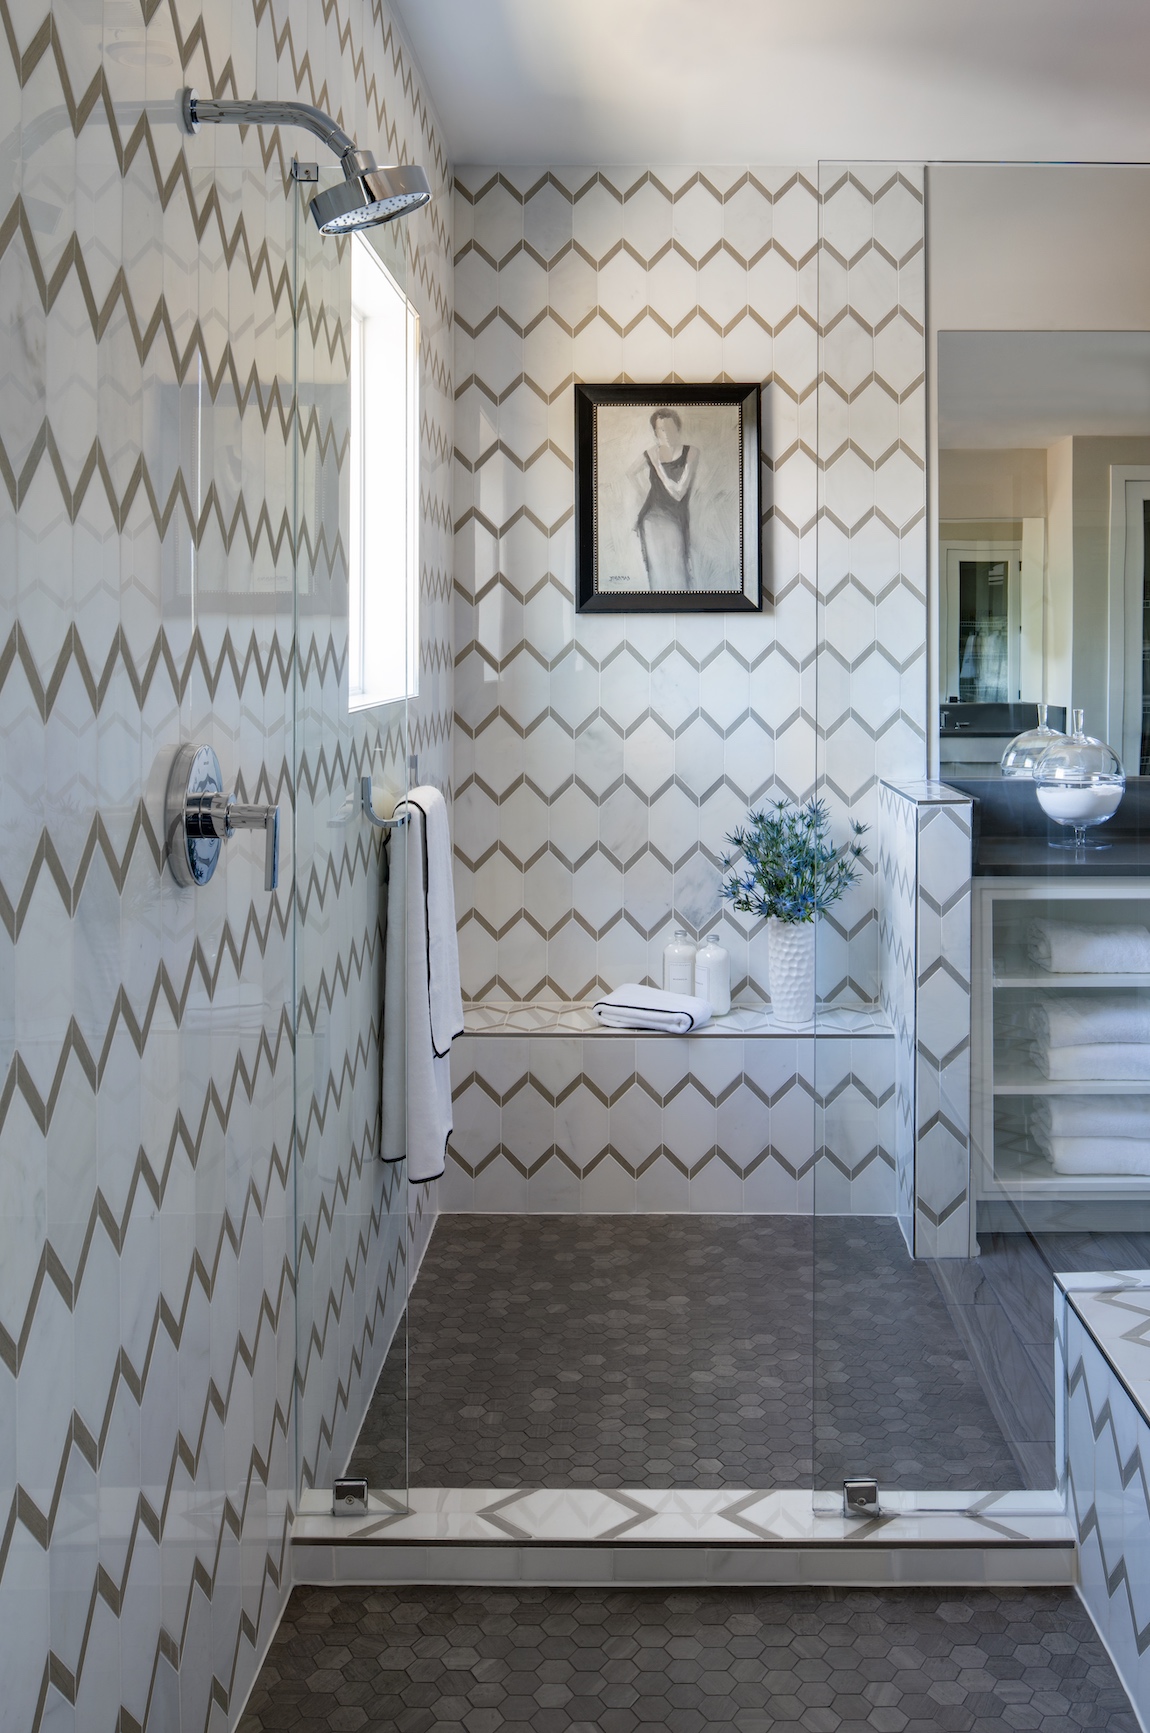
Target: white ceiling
x,y
1004,389
785,81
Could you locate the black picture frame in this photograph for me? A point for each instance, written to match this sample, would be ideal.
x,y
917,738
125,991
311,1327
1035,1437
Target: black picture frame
x,y
644,535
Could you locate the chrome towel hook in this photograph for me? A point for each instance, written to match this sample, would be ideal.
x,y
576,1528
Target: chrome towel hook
x,y
369,811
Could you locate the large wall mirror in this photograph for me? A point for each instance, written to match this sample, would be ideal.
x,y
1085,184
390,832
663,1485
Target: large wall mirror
x,y
1044,490
1040,295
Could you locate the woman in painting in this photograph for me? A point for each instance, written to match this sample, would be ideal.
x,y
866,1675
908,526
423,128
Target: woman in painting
x,y
665,475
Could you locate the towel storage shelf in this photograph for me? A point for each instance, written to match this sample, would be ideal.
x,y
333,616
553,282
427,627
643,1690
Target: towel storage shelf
x,y
1013,1180
1012,970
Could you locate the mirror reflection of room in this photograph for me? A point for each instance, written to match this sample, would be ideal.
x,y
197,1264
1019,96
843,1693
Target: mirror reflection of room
x,y
1044,483
1041,667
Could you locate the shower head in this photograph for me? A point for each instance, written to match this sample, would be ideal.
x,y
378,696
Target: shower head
x,y
369,193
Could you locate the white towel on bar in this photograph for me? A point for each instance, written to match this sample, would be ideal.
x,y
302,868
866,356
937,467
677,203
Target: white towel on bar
x,y
635,1007
1099,1155
423,1006
1083,1019
1066,949
1109,1116
1121,1062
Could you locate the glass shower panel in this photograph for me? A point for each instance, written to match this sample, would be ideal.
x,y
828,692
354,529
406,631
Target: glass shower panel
x,y
352,1206
897,1396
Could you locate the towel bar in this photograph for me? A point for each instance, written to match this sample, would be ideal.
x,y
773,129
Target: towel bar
x,y
369,810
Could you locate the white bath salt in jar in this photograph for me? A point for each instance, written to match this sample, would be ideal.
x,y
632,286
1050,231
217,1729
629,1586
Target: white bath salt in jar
x,y
713,975
1079,782
679,964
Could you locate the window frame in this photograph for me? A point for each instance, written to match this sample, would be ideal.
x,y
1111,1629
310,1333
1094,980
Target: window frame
x,y
372,588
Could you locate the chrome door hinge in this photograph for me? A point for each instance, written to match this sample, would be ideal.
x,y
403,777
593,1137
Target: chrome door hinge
x,y
860,1497
349,1496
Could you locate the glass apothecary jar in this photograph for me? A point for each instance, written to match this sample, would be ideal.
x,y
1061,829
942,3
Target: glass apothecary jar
x,y
1079,782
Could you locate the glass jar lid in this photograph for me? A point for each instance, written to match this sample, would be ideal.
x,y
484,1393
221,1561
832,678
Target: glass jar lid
x,y
1022,754
1079,760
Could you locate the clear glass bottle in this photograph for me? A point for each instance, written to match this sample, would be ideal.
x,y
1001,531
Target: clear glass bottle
x,y
1024,751
1079,782
679,964
713,975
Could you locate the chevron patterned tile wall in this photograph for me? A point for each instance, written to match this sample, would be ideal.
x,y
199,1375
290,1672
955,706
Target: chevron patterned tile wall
x,y
872,548
1108,1463
600,760
942,1200
150,1417
709,1125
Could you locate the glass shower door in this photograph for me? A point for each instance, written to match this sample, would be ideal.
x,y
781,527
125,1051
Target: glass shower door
x,y
352,1207
897,1396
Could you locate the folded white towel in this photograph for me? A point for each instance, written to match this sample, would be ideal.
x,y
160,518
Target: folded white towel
x,y
1109,1116
1066,949
635,1007
423,1008
1083,1019
1127,1062
1099,1155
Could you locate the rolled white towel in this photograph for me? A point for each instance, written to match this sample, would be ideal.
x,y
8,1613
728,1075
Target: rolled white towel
x,y
1110,1116
1083,1019
1123,1062
635,1007
1066,949
1099,1155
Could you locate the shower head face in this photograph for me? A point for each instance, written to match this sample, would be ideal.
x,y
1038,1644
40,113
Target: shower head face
x,y
370,195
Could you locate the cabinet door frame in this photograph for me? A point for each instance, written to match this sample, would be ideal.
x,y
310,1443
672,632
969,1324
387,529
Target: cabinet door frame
x,y
951,553
1129,491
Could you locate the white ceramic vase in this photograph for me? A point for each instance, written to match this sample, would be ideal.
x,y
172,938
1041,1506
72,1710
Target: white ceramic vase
x,y
791,961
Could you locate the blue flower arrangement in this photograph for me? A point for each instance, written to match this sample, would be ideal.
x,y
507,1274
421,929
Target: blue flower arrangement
x,y
787,865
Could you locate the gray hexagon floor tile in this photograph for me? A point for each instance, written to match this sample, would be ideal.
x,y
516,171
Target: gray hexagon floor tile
x,y
668,1351
477,1660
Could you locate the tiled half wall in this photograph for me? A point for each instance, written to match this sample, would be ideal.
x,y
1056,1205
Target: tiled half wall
x,y
924,887
601,760
1107,1336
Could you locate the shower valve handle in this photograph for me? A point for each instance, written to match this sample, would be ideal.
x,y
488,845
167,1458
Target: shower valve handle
x,y
267,819
221,815
199,818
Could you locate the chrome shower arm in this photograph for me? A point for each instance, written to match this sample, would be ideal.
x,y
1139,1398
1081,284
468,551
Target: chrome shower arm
x,y
248,111
370,192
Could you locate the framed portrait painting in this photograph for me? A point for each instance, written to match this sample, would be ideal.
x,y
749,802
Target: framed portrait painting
x,y
667,498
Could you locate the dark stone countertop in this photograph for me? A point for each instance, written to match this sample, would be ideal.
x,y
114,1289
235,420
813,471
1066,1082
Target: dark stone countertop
x,y
1013,836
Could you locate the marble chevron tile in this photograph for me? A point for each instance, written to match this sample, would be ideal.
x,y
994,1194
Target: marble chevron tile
x,y
1107,1444
637,1514
750,1119
150,1280
648,274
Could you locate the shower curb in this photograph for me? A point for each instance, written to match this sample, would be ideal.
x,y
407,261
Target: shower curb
x,y
639,1538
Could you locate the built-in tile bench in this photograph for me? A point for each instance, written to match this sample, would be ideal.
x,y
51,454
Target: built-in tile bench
x,y
866,1113
554,1113
1105,1331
